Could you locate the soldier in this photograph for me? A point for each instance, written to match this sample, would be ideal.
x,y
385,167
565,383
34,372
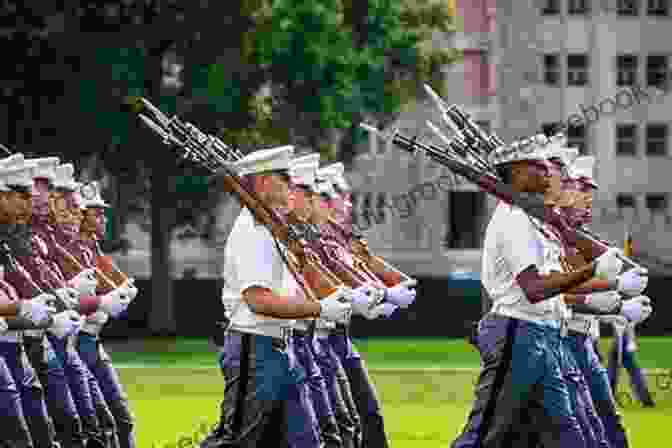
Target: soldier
x,y
261,401
622,354
583,328
363,390
36,274
91,227
520,338
15,214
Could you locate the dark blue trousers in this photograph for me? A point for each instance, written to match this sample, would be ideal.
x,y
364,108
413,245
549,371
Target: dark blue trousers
x,y
23,383
637,377
13,422
363,391
118,416
521,368
595,374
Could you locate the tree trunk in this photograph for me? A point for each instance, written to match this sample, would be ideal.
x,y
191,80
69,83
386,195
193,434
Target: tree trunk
x,y
161,315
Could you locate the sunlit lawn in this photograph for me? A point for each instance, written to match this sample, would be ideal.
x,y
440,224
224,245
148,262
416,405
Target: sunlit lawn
x,y
175,396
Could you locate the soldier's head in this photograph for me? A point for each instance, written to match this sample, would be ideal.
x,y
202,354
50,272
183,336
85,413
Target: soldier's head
x,y
92,206
44,175
302,185
524,165
267,172
16,196
583,186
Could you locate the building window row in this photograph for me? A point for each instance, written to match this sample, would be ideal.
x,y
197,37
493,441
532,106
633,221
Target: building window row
x,y
626,8
656,203
655,135
577,135
627,69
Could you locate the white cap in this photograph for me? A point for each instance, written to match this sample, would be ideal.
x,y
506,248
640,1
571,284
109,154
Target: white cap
x,y
557,149
307,158
64,177
304,174
531,148
91,197
265,160
337,170
582,169
17,173
15,160
45,167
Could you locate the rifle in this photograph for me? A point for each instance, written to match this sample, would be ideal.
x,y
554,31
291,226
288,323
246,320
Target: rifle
x,y
192,144
490,184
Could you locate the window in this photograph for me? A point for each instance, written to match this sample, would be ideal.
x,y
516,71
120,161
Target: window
x,y
656,139
656,70
552,69
464,220
626,139
576,137
550,7
625,201
628,7
576,7
657,203
484,124
577,69
626,65
658,8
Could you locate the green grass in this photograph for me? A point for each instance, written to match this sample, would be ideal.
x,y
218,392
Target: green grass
x,y
174,396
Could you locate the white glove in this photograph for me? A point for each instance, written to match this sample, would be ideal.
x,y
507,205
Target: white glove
x,y
85,282
633,282
114,302
608,265
3,325
67,323
68,296
337,307
130,289
401,296
605,302
384,309
38,310
362,299
98,318
637,310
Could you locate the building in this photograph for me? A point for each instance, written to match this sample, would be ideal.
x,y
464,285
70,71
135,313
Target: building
x,y
597,69
420,217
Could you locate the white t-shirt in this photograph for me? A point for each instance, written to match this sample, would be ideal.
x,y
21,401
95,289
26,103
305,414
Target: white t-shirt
x,y
251,258
513,242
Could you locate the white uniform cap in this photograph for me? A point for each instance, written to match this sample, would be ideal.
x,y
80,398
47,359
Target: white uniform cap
x,y
91,195
65,177
265,160
557,149
45,167
308,158
17,173
337,171
527,149
304,174
582,169
15,160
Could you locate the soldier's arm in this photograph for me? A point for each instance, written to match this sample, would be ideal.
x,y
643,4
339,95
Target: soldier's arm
x,y
266,302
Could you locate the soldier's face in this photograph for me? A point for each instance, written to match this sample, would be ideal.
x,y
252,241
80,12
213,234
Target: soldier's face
x,y
301,202
94,222
532,176
320,207
19,205
41,197
275,189
554,193
58,207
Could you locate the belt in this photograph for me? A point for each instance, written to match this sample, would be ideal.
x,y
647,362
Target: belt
x,y
36,334
516,314
324,332
280,343
300,333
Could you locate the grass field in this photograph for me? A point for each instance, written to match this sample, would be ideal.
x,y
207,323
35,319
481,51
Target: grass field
x,y
426,387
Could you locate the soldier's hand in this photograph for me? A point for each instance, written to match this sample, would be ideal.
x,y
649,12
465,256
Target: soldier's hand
x,y
606,301
85,282
337,307
66,323
383,310
114,302
633,282
401,296
608,265
39,310
69,297
637,310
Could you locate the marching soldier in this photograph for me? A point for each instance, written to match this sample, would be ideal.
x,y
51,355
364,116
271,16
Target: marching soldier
x,y
520,338
363,391
262,402
622,354
86,224
15,213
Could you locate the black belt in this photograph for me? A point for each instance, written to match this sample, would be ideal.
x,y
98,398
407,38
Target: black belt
x,y
277,343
